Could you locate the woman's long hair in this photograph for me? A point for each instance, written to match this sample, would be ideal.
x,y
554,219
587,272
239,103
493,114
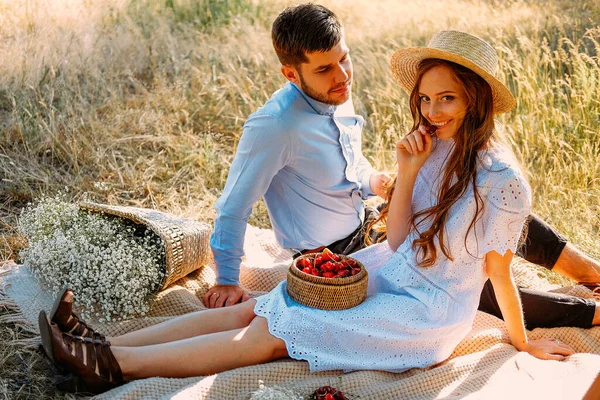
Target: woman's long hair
x,y
475,133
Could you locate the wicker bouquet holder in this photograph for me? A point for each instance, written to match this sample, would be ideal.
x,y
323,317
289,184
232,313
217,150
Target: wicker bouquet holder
x,y
186,241
327,293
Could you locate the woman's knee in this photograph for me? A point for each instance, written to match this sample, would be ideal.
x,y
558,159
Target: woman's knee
x,y
244,311
258,332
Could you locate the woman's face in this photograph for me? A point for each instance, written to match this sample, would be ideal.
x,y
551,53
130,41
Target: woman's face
x,y
443,101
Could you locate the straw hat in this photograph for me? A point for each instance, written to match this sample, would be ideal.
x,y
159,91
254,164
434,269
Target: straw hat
x,y
461,48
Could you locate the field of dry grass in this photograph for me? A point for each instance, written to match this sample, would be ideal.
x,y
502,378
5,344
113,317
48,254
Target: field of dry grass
x,y
141,102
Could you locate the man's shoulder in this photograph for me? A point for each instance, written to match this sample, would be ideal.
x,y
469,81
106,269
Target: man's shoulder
x,y
273,124
280,105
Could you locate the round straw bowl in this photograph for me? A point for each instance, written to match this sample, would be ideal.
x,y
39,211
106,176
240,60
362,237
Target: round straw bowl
x,y
327,293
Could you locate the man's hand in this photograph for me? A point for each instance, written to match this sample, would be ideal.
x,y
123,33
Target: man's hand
x,y
379,182
225,295
548,349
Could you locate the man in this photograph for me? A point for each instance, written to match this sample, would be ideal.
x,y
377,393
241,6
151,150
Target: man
x,y
302,152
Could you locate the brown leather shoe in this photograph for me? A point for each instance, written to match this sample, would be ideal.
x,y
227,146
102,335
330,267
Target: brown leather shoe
x,y
62,315
82,356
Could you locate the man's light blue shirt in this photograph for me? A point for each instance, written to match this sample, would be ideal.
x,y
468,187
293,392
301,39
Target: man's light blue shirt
x,y
305,158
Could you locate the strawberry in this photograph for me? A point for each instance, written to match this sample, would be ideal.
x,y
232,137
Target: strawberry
x,y
339,396
326,254
324,390
319,260
328,393
328,266
430,129
339,266
303,263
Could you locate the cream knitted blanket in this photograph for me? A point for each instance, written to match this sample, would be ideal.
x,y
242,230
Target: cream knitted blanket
x,y
483,366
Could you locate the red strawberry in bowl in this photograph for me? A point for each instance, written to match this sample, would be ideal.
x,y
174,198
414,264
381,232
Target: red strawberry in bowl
x,y
303,263
325,283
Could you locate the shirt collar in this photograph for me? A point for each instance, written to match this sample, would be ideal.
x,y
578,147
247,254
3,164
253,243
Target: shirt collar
x,y
319,107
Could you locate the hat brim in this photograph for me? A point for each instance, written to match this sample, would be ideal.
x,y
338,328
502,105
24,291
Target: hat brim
x,y
405,65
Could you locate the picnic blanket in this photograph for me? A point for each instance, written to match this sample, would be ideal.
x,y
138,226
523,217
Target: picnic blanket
x,y
483,366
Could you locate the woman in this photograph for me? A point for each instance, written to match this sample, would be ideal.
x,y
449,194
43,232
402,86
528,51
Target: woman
x,y
446,235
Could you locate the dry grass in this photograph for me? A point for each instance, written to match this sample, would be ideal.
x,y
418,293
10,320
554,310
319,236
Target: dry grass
x,y
139,102
24,374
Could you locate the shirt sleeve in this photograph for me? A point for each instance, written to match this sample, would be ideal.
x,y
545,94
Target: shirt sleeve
x,y
263,150
507,207
364,170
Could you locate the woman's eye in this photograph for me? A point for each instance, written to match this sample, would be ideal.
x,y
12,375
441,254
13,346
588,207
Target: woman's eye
x,y
424,99
448,98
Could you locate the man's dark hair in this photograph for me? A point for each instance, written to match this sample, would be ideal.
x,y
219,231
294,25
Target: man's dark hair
x,y
304,28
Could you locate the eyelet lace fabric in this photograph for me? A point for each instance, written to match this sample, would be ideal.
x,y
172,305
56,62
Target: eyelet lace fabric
x,y
413,316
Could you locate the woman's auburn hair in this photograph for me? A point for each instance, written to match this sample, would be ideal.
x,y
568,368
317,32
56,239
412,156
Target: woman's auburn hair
x,y
476,133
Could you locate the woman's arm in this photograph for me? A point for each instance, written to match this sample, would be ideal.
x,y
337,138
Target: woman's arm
x,y
411,152
400,211
499,272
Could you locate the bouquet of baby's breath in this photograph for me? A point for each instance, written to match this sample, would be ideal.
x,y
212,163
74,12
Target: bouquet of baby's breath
x,y
275,393
113,265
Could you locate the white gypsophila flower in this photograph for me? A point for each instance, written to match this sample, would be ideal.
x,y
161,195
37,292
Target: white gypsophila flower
x,y
275,393
114,265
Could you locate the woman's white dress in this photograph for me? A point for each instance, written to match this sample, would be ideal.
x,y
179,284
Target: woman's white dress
x,y
413,316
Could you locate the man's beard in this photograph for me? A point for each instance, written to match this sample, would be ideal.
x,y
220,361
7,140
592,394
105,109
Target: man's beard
x,y
319,96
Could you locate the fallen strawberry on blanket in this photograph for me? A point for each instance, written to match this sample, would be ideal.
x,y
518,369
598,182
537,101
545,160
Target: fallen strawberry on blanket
x,y
328,265
328,393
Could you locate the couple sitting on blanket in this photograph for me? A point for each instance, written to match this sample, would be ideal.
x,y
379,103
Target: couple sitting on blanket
x,y
454,217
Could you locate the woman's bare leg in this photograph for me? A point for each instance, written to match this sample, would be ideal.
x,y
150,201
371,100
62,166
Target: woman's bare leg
x,y
204,355
190,325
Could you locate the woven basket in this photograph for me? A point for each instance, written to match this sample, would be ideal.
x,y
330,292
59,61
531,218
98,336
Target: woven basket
x,y
186,241
327,293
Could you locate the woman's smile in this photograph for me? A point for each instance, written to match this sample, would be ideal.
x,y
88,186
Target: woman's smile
x,y
443,101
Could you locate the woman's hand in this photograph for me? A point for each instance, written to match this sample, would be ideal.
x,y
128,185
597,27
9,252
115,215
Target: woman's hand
x,y
548,349
413,150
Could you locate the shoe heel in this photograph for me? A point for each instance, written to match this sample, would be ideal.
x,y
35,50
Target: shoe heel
x,y
45,335
47,348
70,383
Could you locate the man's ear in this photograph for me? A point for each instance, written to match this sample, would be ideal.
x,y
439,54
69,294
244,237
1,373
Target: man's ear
x,y
291,74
